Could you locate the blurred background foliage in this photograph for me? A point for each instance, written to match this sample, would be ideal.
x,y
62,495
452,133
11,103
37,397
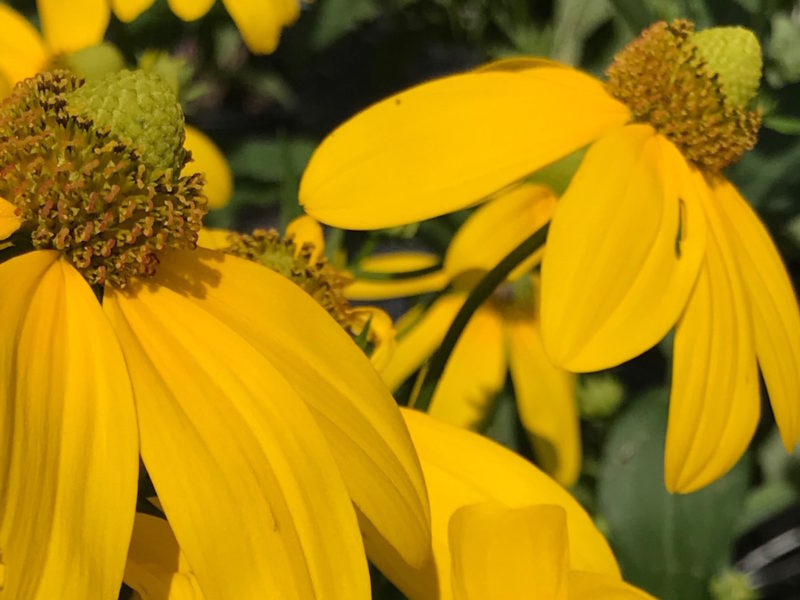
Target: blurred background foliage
x,y
739,538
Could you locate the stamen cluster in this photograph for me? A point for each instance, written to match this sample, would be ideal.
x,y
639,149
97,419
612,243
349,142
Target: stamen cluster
x,y
324,283
665,81
82,190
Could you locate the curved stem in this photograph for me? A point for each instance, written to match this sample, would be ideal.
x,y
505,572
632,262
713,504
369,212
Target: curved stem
x,y
479,294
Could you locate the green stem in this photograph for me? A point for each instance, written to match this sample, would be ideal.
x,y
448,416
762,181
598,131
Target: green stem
x,y
479,294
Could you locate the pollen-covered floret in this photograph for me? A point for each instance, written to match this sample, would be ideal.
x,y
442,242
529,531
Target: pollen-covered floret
x,y
693,88
321,281
105,193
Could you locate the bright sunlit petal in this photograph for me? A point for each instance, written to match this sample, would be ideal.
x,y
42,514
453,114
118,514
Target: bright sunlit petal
x,y
332,376
261,22
622,254
243,473
773,306
714,402
68,438
22,51
451,143
209,160
9,222
509,554
70,26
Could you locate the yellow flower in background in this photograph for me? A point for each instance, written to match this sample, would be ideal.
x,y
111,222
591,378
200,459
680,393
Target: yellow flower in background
x,y
300,257
648,236
267,434
72,38
259,21
465,471
502,335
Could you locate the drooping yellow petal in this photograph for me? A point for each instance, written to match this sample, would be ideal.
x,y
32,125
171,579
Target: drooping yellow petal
x,y
418,343
70,26
497,227
622,254
714,402
509,554
773,307
213,239
332,376
260,23
243,473
190,10
22,51
386,289
545,399
463,468
156,567
209,160
474,374
9,222
596,586
68,438
128,10
307,230
399,262
451,143
381,332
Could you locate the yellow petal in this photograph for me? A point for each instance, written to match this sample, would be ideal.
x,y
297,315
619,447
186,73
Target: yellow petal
x,y
213,239
243,473
509,554
9,222
418,343
474,374
156,567
128,10
594,586
452,142
307,230
386,289
209,160
714,401
22,51
546,401
463,468
68,437
497,227
773,307
260,23
615,278
70,26
381,332
332,376
189,10
398,262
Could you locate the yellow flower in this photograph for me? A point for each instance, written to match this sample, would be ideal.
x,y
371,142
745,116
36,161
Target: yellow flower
x,y
259,21
300,256
648,236
503,334
72,30
267,434
502,525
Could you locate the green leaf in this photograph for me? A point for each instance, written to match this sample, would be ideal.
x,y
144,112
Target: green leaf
x,y
635,13
574,21
782,124
335,18
271,160
670,545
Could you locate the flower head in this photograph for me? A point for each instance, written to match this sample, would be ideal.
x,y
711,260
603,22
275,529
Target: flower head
x,y
648,236
268,436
